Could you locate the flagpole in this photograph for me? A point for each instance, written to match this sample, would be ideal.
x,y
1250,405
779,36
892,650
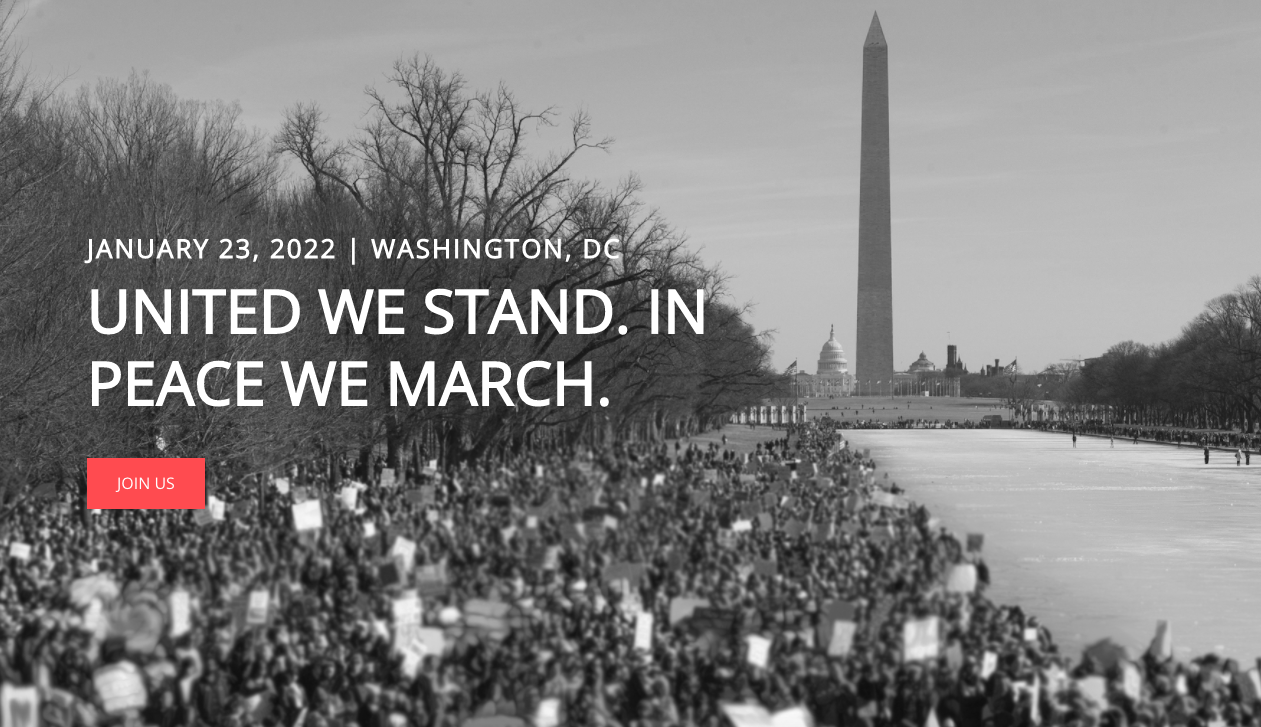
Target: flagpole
x,y
796,385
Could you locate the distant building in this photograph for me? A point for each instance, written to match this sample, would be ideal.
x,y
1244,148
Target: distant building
x,y
921,365
923,377
832,376
998,369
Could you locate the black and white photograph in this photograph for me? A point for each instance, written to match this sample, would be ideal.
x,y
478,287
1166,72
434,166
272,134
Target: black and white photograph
x,y
469,363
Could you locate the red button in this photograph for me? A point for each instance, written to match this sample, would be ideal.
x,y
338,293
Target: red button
x,y
146,483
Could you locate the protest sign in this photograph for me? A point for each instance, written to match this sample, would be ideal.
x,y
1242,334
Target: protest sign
x,y
390,574
489,617
431,579
841,640
548,558
1162,643
429,641
741,526
920,639
387,477
593,530
349,497
962,578
1131,680
754,715
19,706
256,612
404,550
548,713
681,608
630,572
308,516
203,517
792,717
759,651
720,621
831,612
218,508
746,715
765,567
406,611
989,662
643,631
120,687
709,476
180,605
1094,689
20,551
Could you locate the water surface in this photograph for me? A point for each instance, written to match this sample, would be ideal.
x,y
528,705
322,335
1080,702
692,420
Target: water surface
x,y
1098,540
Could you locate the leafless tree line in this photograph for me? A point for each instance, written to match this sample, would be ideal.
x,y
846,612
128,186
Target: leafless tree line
x,y
128,158
1210,376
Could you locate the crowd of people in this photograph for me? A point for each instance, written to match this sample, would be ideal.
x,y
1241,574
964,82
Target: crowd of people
x,y
635,585
1214,438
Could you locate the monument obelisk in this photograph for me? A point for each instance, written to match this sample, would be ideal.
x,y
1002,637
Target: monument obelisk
x,y
873,369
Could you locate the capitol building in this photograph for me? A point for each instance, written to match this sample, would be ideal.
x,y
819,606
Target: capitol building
x,y
832,376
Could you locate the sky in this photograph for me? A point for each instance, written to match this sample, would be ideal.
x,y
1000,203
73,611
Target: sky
x,y
1065,176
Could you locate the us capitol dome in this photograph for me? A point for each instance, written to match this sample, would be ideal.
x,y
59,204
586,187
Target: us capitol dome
x,y
832,376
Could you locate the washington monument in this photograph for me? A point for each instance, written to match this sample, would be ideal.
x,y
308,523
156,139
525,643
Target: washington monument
x,y
874,350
